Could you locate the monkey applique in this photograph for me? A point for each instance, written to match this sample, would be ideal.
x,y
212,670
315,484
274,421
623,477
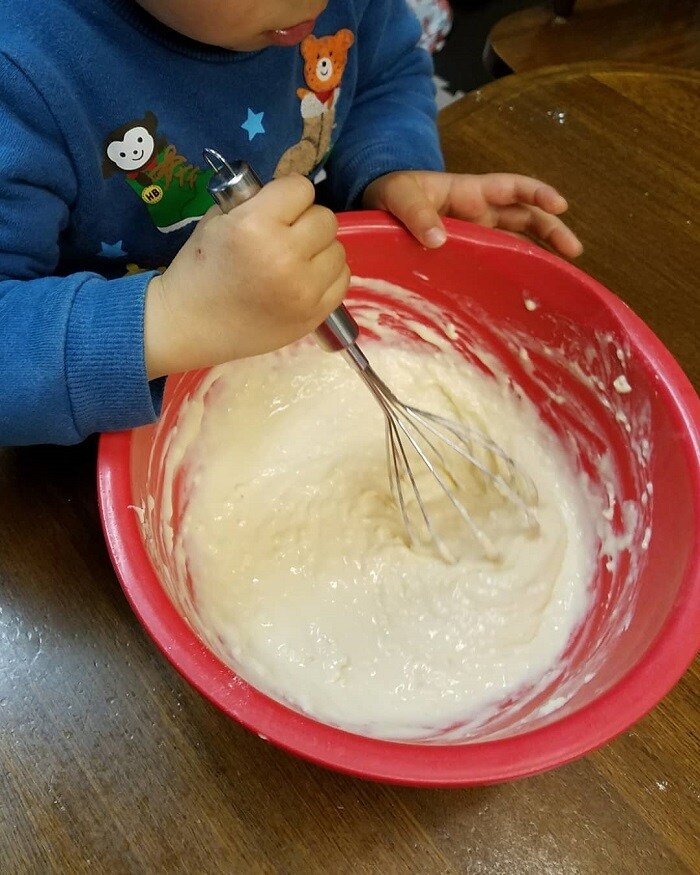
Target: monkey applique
x,y
174,191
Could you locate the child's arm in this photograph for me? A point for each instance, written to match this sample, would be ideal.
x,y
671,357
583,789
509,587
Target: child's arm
x,y
71,348
391,140
391,124
77,352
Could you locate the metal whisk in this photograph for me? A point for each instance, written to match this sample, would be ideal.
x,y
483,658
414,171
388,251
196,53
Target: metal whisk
x,y
410,431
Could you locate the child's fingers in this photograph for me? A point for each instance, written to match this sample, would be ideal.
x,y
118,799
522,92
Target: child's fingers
x,y
503,189
549,199
314,231
286,198
542,225
564,241
325,268
328,279
407,200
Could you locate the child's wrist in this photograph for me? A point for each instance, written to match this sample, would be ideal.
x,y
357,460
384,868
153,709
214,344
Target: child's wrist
x,y
155,341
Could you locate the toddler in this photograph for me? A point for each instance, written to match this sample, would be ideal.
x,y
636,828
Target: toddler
x,y
115,269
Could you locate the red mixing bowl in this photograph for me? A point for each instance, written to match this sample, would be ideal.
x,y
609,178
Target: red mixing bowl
x,y
644,626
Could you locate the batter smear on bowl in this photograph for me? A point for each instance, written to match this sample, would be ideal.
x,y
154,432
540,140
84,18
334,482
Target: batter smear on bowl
x,y
298,566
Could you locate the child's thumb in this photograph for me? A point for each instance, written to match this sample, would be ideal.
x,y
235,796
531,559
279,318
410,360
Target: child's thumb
x,y
407,200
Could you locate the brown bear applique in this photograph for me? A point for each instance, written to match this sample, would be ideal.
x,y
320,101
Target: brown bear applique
x,y
325,59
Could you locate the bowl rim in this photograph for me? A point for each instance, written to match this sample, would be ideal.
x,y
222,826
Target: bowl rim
x,y
476,763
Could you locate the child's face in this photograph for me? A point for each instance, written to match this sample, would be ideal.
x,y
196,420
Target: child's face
x,y
240,25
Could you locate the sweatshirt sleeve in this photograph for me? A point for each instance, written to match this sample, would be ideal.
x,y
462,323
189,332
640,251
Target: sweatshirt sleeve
x,y
71,348
391,125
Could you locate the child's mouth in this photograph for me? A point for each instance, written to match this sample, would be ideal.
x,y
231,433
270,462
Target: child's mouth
x,y
291,36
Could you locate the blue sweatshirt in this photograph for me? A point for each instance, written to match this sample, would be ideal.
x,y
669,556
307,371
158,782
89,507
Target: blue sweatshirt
x,y
103,117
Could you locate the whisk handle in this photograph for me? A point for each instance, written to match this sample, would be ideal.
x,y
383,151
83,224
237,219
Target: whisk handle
x,y
233,184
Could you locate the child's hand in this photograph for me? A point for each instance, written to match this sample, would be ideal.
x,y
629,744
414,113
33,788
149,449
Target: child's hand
x,y
247,282
513,203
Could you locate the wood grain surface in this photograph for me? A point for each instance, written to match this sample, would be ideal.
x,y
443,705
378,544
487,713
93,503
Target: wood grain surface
x,y
646,31
110,763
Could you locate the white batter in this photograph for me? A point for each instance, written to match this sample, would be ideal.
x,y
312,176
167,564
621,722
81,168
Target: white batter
x,y
302,576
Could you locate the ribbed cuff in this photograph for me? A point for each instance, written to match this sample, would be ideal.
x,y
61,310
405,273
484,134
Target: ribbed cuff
x,y
105,359
376,160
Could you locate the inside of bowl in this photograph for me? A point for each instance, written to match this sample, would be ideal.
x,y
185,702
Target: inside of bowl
x,y
576,358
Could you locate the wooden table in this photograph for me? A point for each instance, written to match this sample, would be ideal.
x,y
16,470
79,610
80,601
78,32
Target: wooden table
x,y
633,31
110,763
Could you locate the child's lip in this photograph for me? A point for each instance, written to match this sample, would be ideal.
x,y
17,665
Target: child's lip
x,y
291,36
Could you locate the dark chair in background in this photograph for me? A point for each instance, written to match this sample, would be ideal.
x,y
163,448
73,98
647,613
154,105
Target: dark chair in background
x,y
564,8
665,32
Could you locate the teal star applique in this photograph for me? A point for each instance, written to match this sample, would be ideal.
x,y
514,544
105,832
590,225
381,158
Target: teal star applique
x,y
112,250
253,124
